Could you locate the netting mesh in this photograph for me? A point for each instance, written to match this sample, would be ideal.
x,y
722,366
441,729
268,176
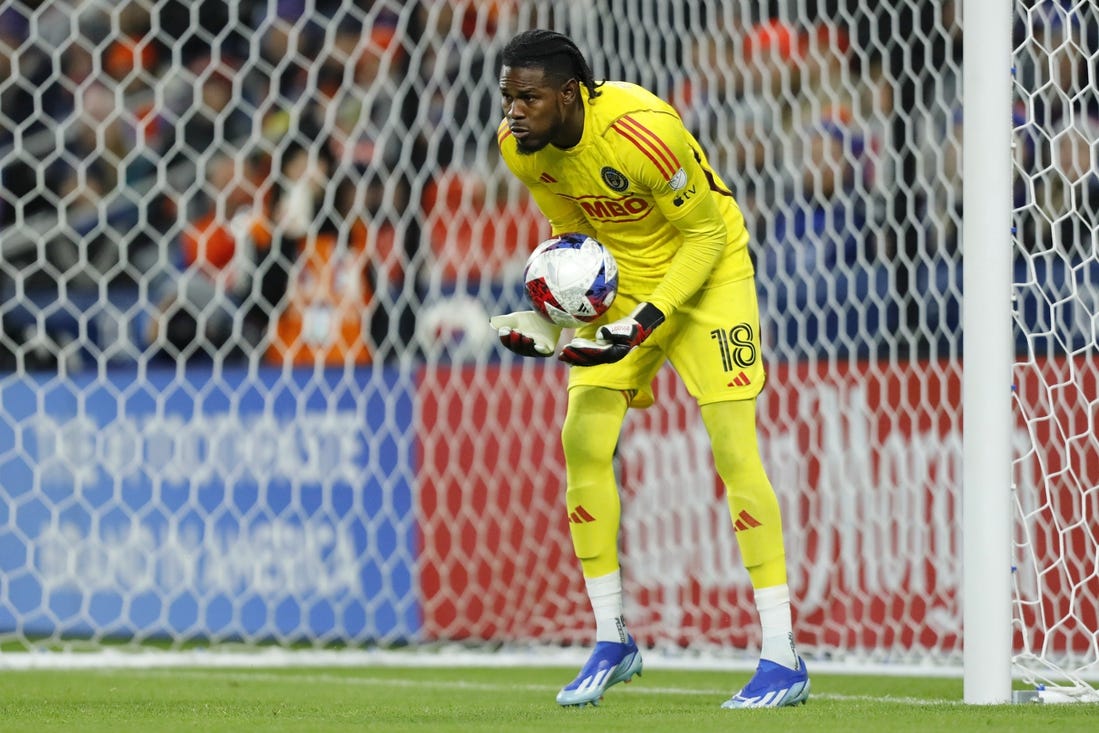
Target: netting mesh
x,y
248,390
1057,392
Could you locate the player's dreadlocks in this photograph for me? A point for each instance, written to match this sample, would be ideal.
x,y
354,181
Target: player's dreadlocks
x,y
553,52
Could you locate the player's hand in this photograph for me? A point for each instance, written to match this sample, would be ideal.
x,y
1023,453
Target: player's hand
x,y
614,340
526,333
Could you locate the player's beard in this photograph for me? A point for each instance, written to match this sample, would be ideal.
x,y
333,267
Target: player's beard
x,y
533,143
525,147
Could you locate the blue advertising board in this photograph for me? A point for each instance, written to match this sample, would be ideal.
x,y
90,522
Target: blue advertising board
x,y
209,504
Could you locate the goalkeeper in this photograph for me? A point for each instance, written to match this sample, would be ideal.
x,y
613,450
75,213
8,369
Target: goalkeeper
x,y
613,161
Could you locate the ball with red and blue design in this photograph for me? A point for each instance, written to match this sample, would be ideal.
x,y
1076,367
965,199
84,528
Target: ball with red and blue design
x,y
571,279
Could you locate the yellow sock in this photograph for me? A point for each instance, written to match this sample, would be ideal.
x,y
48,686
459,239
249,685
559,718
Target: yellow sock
x,y
753,505
589,437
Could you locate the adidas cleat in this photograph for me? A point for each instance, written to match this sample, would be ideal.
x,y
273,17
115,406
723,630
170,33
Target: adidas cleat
x,y
609,664
773,686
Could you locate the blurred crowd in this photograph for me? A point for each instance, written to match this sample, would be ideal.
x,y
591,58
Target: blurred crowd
x,y
315,182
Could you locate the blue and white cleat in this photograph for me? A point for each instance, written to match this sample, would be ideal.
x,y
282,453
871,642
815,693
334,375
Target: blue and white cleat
x,y
609,664
773,686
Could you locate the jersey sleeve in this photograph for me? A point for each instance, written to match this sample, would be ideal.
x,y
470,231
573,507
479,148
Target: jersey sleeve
x,y
659,153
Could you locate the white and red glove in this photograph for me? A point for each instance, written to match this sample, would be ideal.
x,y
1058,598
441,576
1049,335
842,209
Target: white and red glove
x,y
526,333
614,340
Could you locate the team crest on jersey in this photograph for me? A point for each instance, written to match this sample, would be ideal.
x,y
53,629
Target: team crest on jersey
x,y
614,180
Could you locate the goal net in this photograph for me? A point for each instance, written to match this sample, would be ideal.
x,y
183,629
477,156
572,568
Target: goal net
x,y
248,393
1056,246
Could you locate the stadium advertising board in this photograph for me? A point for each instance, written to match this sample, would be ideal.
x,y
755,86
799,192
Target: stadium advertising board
x,y
211,505
865,458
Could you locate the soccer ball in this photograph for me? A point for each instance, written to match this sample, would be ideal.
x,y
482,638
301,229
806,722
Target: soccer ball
x,y
571,279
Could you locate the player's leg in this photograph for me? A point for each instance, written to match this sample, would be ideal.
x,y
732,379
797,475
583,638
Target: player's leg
x,y
781,678
754,509
589,436
718,357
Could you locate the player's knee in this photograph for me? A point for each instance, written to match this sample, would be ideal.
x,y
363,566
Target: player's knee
x,y
590,432
731,427
582,446
734,461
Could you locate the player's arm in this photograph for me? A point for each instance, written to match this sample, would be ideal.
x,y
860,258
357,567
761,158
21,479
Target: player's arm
x,y
660,157
526,332
705,237
664,161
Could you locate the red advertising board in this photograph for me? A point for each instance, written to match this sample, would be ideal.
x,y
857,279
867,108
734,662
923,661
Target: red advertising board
x,y
865,459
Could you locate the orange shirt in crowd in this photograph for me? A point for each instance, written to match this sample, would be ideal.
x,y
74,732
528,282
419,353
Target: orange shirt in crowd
x,y
327,316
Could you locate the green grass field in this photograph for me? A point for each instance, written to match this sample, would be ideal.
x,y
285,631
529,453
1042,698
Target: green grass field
x,y
507,700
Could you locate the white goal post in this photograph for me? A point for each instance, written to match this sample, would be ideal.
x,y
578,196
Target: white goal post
x,y
986,375
249,397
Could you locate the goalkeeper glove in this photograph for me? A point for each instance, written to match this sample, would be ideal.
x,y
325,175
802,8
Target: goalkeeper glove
x,y
614,340
526,333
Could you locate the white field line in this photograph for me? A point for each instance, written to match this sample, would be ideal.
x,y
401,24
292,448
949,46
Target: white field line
x,y
638,687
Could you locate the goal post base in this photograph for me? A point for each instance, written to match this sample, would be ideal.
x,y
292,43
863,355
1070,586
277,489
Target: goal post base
x,y
1056,695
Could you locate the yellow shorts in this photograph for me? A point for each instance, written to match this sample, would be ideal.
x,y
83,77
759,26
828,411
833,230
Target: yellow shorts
x,y
712,341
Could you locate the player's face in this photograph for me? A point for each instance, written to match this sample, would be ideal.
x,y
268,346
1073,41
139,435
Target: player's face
x,y
537,108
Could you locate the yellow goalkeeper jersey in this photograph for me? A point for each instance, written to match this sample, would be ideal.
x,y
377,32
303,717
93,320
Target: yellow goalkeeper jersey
x,y
639,182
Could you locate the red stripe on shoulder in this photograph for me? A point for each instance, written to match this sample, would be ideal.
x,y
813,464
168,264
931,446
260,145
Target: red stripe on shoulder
x,y
645,148
659,147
